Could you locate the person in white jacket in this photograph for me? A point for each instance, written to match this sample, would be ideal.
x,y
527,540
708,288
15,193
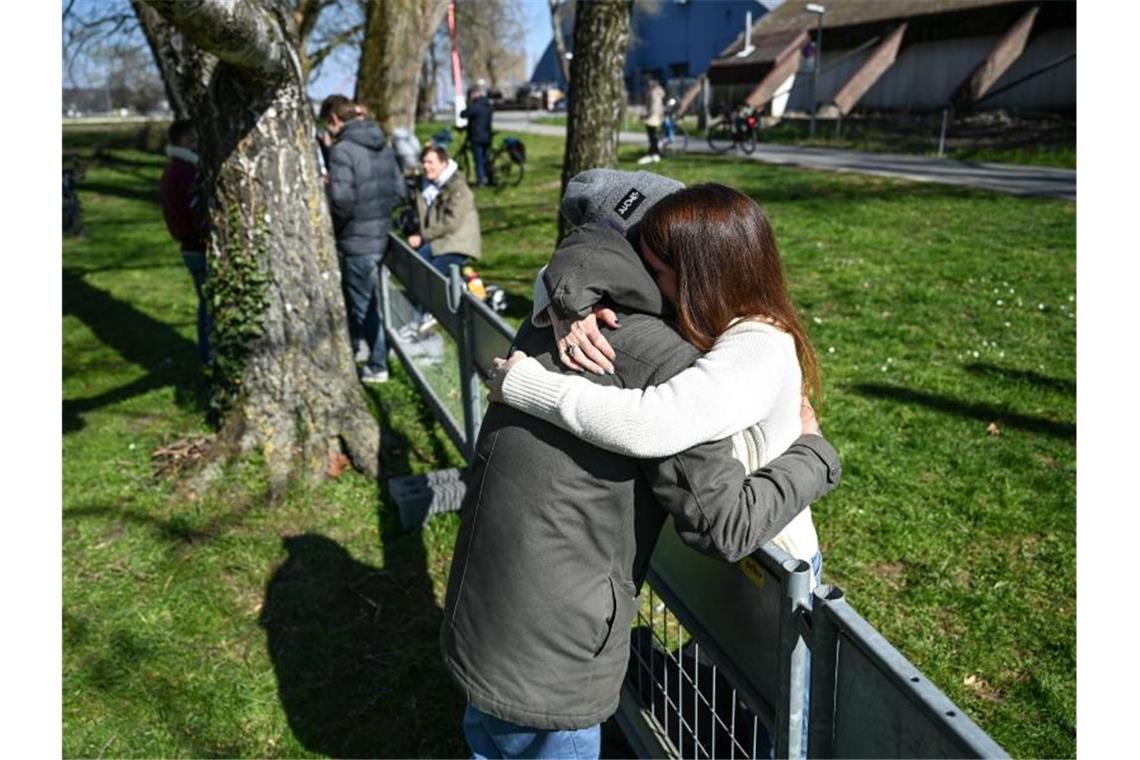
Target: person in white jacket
x,y
714,255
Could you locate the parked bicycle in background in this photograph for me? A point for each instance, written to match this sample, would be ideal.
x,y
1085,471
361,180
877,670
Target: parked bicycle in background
x,y
506,161
737,128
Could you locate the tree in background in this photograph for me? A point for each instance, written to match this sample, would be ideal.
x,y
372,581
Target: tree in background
x,y
285,384
396,37
597,87
492,40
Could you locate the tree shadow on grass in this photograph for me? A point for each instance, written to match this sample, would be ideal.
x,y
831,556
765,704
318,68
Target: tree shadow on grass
x,y
147,192
355,650
1006,373
168,358
980,412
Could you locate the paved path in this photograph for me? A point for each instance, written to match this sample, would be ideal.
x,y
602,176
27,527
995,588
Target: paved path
x,y
1006,178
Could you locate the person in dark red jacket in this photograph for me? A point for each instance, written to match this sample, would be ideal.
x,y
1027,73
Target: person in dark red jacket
x,y
184,209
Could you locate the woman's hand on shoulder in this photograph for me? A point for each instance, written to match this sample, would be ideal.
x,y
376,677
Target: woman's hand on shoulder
x,y
581,345
807,418
499,375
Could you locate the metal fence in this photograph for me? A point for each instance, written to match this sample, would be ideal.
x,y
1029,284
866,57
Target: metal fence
x,y
720,652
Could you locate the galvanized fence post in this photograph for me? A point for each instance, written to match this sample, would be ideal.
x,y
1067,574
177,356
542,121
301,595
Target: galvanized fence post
x,y
793,659
824,664
468,376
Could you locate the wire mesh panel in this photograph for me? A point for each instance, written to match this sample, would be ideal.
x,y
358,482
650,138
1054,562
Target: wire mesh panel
x,y
698,711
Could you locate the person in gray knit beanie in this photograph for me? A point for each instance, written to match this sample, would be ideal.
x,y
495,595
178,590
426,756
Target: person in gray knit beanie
x,y
613,197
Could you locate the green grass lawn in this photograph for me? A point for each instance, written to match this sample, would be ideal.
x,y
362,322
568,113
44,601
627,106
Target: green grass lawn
x,y
224,625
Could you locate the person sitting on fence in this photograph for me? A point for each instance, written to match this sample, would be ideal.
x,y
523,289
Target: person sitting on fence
x,y
732,302
448,220
479,114
365,183
184,210
556,533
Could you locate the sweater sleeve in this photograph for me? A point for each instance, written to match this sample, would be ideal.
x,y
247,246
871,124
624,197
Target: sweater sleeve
x,y
732,386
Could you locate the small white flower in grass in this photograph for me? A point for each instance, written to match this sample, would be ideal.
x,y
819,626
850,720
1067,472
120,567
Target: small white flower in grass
x,y
131,447
883,368
1000,302
817,320
975,354
890,360
1041,307
831,349
1001,354
1072,298
1007,324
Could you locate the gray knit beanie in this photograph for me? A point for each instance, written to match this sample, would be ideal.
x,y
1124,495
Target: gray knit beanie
x,y
619,199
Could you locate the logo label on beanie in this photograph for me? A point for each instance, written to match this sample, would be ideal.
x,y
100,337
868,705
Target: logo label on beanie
x,y
629,204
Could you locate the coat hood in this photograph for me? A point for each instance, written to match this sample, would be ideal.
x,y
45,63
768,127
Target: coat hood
x,y
364,132
595,262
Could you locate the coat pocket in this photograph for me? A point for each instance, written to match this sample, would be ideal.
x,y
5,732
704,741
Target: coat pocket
x,y
618,603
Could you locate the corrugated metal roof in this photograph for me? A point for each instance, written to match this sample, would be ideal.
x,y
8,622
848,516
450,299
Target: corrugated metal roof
x,y
791,16
768,48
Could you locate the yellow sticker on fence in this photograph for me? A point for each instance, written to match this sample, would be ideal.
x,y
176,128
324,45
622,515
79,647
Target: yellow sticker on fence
x,y
753,570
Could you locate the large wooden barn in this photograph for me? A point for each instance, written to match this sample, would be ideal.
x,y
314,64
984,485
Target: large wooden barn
x,y
904,55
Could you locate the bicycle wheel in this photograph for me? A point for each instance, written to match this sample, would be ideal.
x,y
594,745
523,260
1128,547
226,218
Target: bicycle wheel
x,y
516,173
720,135
748,140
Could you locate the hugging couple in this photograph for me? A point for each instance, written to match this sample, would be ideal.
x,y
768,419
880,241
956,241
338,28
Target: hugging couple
x,y
689,401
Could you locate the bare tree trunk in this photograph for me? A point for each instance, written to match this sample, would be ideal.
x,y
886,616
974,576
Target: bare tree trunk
x,y
185,70
285,383
556,8
396,35
597,87
425,95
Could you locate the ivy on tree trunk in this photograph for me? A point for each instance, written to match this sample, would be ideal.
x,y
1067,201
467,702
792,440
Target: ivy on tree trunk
x,y
285,382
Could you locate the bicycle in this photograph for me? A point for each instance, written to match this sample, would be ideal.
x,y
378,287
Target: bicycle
x,y
674,138
737,128
506,162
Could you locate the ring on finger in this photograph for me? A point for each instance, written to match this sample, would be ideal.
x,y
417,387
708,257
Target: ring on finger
x,y
570,349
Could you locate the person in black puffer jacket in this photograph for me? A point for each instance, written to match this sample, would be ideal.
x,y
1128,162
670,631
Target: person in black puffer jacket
x,y
479,115
365,184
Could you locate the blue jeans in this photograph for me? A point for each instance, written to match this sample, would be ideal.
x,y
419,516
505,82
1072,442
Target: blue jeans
x,y
358,275
480,151
196,265
443,261
491,737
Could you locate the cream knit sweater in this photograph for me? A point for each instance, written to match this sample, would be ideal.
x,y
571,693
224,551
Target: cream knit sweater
x,y
750,373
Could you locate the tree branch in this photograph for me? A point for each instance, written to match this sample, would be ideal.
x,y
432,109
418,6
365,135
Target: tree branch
x,y
319,54
240,33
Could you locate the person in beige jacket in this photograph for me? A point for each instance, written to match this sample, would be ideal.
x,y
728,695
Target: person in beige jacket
x,y
654,117
445,206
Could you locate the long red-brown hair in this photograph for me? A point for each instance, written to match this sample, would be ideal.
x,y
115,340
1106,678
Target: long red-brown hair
x,y
728,265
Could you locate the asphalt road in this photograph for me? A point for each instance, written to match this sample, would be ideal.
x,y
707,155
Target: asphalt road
x,y
1004,178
